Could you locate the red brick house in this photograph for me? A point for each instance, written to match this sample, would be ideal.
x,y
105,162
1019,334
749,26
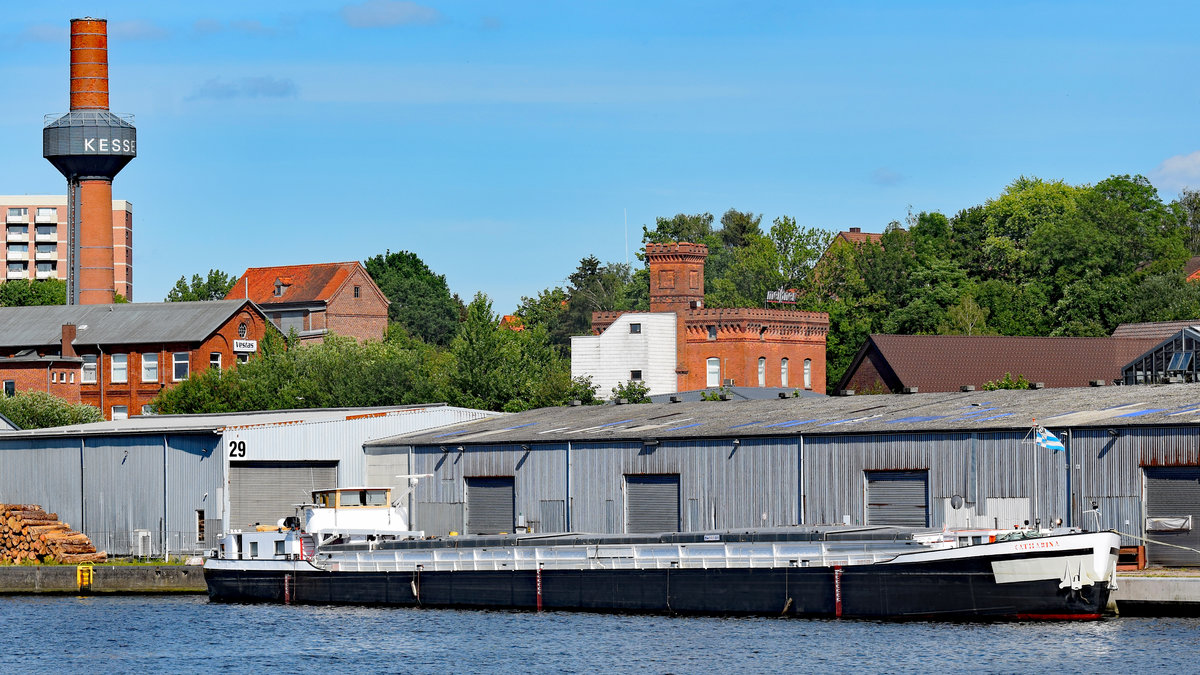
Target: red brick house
x,y
708,347
118,357
315,300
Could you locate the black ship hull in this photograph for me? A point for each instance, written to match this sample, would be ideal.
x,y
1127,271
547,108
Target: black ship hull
x,y
957,589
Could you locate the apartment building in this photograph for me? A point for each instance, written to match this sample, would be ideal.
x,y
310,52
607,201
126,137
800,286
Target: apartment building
x,y
37,237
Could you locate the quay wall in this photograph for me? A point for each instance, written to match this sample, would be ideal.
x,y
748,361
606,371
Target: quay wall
x,y
117,579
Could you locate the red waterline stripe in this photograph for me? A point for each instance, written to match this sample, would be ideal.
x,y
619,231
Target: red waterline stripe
x,y
837,590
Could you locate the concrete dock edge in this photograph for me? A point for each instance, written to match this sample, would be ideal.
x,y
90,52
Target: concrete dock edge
x,y
117,579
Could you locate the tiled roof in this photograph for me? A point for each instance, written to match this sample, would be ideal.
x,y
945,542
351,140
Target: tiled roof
x,y
1157,330
855,236
302,283
1191,269
947,362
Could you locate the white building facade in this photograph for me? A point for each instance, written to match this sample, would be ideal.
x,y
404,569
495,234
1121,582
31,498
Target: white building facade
x,y
637,346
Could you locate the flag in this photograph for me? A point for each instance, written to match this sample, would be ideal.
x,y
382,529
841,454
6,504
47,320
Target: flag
x,y
1048,440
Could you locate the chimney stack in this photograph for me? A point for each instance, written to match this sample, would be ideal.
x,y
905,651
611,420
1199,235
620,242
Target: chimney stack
x,y
68,339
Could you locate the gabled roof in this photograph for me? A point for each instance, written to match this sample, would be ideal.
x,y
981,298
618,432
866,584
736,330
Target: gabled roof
x,y
122,323
856,236
1156,330
1191,269
303,283
947,362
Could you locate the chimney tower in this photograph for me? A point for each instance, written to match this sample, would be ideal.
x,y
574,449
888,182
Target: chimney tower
x,y
89,145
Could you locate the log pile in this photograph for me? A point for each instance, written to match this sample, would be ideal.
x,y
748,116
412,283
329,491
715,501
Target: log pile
x,y
29,534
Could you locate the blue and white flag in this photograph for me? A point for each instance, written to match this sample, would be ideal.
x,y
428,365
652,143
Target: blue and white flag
x,y
1048,440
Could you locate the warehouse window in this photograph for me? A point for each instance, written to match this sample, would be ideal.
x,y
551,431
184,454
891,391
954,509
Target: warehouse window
x,y
149,367
712,332
120,367
89,369
120,412
783,373
10,387
200,525
762,371
180,362
635,375
635,328
808,373
214,360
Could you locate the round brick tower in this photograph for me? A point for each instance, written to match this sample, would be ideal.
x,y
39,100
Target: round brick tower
x,y
89,145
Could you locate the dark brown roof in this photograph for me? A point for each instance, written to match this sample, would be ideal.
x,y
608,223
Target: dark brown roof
x,y
857,236
1158,330
946,362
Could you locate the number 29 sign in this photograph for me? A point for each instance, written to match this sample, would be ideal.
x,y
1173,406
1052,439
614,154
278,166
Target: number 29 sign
x,y
237,448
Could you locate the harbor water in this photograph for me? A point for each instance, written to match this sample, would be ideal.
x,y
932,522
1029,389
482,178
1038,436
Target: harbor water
x,y
184,634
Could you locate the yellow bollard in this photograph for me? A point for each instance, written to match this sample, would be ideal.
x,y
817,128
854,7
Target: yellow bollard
x,y
83,576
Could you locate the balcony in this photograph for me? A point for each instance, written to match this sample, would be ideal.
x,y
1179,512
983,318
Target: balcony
x,y
45,235
18,274
47,255
46,274
50,218
17,255
18,234
20,219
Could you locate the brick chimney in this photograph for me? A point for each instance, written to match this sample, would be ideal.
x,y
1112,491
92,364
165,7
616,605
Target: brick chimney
x,y
68,338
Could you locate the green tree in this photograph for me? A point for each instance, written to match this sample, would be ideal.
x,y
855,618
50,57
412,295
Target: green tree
x,y
633,391
39,410
739,228
24,292
420,300
1007,382
215,286
965,318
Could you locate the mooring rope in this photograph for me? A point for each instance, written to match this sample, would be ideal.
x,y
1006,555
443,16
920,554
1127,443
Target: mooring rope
x,y
1153,541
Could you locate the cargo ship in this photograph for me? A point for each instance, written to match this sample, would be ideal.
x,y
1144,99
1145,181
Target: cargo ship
x,y
353,546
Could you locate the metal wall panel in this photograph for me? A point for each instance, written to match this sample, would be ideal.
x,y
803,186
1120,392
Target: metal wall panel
x,y
652,503
898,498
123,490
195,476
490,505
47,472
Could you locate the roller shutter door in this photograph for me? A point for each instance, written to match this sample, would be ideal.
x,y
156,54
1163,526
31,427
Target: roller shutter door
x,y
652,503
490,505
898,498
264,492
1173,492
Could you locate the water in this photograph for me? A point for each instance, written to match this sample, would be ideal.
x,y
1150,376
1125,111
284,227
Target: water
x,y
186,634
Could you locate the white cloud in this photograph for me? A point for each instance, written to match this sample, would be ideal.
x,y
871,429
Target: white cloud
x,y
246,87
885,176
380,13
136,30
1178,172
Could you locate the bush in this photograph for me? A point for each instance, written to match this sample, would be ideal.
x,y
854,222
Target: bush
x,y
39,410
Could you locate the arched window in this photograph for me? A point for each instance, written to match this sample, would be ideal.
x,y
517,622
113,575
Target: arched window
x,y
714,373
808,373
762,371
783,374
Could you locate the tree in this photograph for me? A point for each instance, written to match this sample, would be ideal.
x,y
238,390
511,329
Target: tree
x,y
1188,208
1007,382
965,318
39,410
24,292
633,391
420,300
213,287
739,228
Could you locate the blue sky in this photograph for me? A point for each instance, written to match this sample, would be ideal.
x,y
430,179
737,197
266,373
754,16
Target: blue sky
x,y
503,141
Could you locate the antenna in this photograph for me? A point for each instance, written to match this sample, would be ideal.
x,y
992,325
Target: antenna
x,y
626,212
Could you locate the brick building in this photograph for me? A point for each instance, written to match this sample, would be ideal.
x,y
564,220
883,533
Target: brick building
x,y
36,232
339,298
118,357
680,345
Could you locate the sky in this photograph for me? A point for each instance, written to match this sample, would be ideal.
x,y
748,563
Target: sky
x,y
502,141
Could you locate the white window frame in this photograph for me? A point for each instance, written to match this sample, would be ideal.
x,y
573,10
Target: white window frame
x,y
176,361
808,373
708,372
783,372
90,364
214,360
762,371
151,360
120,412
118,375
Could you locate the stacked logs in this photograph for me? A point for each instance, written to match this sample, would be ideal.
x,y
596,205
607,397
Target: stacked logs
x,y
29,534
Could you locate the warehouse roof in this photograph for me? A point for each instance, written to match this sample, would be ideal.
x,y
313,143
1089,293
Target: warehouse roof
x,y
734,393
121,323
1155,330
217,422
947,362
1176,404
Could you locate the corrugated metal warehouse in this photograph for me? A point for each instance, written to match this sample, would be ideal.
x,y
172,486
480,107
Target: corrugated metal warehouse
x,y
947,459
133,485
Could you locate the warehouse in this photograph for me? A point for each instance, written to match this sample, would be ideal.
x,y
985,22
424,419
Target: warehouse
x,y
134,485
1131,463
